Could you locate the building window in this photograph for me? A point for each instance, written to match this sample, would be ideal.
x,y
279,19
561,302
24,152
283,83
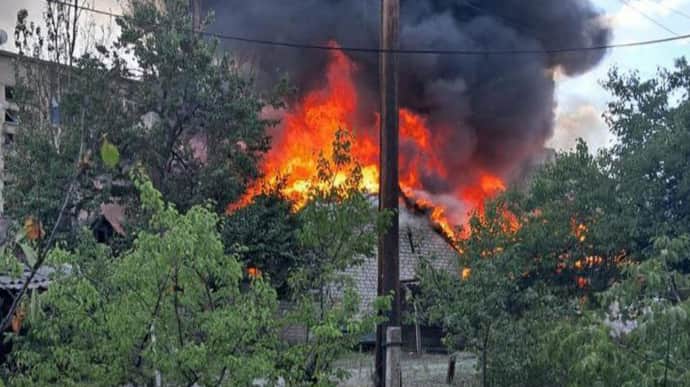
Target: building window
x,y
11,117
8,139
9,93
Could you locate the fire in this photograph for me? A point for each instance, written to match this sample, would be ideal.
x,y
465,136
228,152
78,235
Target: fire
x,y
488,186
253,272
580,231
308,129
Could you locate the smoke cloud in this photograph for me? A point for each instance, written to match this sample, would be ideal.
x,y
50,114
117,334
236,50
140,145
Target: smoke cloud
x,y
488,112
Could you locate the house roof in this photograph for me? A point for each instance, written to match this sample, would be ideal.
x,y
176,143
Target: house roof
x,y
40,281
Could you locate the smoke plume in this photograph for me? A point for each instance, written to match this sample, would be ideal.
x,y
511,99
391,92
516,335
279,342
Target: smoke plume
x,y
488,112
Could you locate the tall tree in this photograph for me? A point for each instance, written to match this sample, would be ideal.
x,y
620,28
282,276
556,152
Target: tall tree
x,y
596,276
163,94
174,308
338,228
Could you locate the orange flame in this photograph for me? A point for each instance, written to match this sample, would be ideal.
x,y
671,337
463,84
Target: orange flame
x,y
309,128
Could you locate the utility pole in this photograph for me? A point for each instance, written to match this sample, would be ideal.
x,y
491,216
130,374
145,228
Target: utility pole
x,y
388,257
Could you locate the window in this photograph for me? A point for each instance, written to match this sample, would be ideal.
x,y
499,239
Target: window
x,y
9,139
9,93
11,117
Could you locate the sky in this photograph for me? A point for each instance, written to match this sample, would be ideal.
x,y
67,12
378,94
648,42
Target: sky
x,y
581,100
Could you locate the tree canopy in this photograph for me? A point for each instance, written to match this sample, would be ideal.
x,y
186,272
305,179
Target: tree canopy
x,y
592,286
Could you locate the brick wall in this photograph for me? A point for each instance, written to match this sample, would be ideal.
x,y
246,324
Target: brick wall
x,y
417,239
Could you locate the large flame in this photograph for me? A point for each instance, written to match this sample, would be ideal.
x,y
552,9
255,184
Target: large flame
x,y
309,128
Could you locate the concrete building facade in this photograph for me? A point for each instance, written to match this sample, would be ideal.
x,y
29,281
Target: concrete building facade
x,y
9,113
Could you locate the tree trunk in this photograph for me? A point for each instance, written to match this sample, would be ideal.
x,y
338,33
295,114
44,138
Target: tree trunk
x,y
485,350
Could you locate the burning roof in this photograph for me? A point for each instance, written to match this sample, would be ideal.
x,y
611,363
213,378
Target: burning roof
x,y
309,126
468,123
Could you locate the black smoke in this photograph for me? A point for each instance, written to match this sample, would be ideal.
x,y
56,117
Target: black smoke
x,y
490,112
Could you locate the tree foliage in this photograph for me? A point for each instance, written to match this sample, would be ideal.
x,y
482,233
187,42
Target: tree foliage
x,y
169,299
161,95
175,306
337,229
267,231
592,287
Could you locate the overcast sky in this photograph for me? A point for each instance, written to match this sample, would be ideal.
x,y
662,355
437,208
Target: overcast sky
x,y
581,100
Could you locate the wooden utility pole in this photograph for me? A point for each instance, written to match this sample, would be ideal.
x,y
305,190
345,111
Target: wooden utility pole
x,y
388,257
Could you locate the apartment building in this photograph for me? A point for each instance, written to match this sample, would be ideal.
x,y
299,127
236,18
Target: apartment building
x,y
9,118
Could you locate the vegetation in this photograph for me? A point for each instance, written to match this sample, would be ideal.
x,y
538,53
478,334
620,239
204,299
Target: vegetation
x,y
332,233
173,307
340,225
592,287
120,182
187,115
131,180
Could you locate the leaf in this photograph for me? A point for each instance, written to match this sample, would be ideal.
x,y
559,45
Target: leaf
x,y
109,154
33,229
29,253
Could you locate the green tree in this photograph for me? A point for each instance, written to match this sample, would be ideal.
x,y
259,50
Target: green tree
x,y
499,303
651,119
602,241
267,232
185,112
207,134
338,228
173,307
653,351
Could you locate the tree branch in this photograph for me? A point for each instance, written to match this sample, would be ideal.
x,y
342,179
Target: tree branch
x,y
43,255
222,376
207,290
156,309
177,307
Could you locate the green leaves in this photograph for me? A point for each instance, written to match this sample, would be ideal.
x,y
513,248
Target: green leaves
x,y
110,155
599,232
175,284
337,227
29,253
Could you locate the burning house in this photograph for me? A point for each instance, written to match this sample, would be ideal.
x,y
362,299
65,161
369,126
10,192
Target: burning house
x,y
469,124
419,240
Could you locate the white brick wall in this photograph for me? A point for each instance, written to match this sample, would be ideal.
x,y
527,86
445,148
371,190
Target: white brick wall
x,y
417,239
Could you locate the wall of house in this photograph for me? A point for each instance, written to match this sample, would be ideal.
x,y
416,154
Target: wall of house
x,y
418,240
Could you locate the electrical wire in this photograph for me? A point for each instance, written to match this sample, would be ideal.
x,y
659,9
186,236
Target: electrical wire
x,y
323,47
651,19
671,9
507,20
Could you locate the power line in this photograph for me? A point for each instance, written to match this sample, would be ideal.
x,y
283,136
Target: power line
x,y
671,9
651,19
371,50
508,20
